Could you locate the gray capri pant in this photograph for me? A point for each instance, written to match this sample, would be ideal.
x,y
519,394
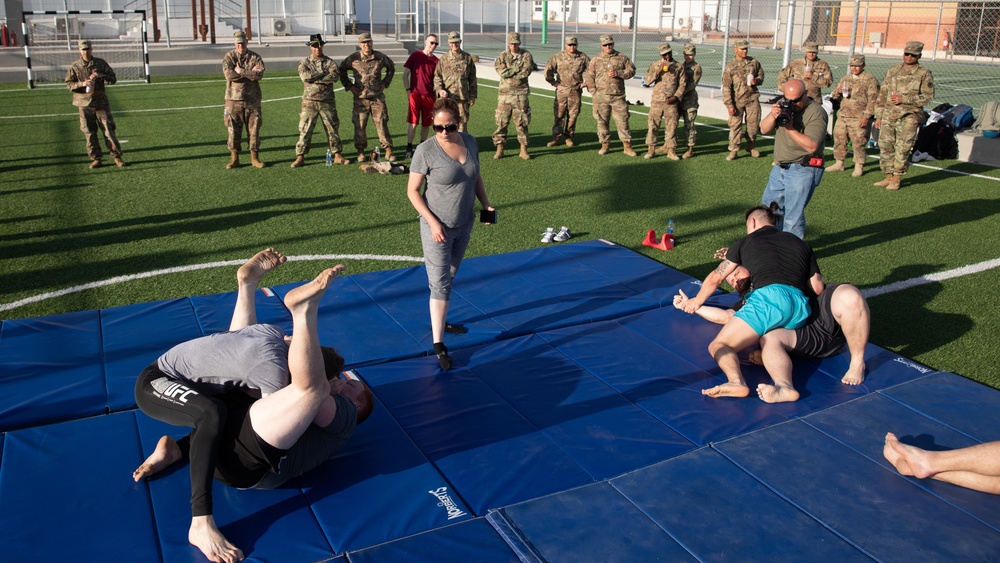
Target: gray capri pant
x,y
442,260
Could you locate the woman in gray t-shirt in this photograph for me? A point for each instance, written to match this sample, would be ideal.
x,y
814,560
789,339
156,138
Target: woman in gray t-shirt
x,y
449,162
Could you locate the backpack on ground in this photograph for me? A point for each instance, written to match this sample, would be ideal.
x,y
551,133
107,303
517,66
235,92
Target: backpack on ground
x,y
959,116
989,118
938,140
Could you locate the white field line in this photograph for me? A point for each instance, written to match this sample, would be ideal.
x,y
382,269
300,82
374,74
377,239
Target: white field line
x,y
931,278
193,267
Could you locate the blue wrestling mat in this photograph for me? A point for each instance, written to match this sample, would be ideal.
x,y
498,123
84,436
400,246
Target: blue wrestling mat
x,y
572,428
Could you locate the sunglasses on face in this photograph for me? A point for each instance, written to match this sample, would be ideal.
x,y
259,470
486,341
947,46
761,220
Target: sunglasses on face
x,y
434,42
796,100
450,128
910,55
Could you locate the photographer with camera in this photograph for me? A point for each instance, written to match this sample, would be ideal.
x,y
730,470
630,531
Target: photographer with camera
x,y
800,123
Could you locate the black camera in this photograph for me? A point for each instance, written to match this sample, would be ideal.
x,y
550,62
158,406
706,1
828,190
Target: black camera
x,y
785,112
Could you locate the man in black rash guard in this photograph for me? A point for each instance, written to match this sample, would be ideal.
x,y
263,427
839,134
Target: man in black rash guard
x,y
265,408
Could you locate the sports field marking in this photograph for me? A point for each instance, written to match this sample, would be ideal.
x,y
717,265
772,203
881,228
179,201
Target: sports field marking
x,y
931,278
194,267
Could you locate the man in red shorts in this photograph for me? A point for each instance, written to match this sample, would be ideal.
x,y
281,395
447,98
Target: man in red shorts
x,y
418,79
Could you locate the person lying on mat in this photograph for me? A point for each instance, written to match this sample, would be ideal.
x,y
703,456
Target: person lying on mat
x,y
975,467
783,271
265,408
840,315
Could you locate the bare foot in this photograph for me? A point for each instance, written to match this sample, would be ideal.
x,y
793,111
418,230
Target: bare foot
x,y
755,357
310,293
205,535
166,454
261,263
777,393
855,375
908,460
727,390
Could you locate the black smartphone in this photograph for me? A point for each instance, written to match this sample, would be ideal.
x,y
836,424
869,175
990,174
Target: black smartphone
x,y
487,216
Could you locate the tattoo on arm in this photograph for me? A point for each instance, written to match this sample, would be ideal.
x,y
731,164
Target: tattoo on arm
x,y
723,267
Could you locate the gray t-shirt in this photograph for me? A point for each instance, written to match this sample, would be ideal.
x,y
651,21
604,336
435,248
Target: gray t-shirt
x,y
254,358
811,122
450,191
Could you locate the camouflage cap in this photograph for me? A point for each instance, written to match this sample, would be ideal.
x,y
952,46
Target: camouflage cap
x,y
240,37
365,38
607,40
742,44
571,40
857,60
316,40
665,48
914,48
811,47
690,49
454,37
513,38
83,44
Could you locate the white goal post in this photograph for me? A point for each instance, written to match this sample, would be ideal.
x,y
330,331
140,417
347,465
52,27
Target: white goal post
x,y
51,36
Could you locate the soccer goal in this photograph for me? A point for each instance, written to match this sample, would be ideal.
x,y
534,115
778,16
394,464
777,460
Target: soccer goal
x,y
117,36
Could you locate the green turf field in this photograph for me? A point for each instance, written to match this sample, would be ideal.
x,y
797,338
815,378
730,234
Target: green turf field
x,y
63,225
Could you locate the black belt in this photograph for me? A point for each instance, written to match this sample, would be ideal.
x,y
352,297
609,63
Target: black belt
x,y
785,165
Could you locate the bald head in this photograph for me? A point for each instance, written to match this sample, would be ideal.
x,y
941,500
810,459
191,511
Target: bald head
x,y
794,89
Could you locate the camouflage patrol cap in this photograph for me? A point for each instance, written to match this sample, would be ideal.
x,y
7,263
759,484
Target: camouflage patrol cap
x,y
811,47
857,60
665,48
914,48
454,37
365,38
513,38
690,49
607,40
240,37
571,40
83,44
742,44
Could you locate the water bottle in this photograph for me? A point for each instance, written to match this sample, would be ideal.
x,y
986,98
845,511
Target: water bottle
x,y
846,91
378,153
329,158
670,231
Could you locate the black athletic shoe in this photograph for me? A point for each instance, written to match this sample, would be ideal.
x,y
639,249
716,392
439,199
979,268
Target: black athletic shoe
x,y
455,329
441,351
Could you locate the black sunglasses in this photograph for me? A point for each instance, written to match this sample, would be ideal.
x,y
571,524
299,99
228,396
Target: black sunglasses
x,y
910,55
434,42
796,100
450,128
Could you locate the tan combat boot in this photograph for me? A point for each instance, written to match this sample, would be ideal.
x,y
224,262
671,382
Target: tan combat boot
x,y
555,141
524,152
300,160
255,159
689,153
859,169
672,154
605,148
627,148
339,159
884,183
837,166
894,184
389,155
119,162
651,153
662,150
732,155
96,163
499,153
234,160
361,155
569,141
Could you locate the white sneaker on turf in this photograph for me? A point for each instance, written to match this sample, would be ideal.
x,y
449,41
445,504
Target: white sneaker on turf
x,y
548,234
562,235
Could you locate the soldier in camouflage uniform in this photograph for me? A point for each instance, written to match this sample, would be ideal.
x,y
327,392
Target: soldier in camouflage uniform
x,y
86,79
319,73
361,73
243,70
899,112
455,78
741,97
689,103
605,79
812,70
565,71
856,93
513,65
669,82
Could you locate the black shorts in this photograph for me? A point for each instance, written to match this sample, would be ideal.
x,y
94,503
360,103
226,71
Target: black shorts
x,y
821,336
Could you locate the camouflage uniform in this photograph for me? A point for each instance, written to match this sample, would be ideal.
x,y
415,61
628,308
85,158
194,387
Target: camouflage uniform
x,y
736,93
821,75
901,123
609,93
565,71
362,76
319,75
862,91
512,100
670,84
95,109
243,98
689,104
456,74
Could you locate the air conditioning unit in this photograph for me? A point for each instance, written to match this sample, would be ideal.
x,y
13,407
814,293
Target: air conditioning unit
x,y
281,26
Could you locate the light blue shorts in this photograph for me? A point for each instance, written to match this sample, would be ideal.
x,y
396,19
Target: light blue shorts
x,y
775,306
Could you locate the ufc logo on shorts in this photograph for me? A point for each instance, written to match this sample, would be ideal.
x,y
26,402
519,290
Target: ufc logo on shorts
x,y
171,389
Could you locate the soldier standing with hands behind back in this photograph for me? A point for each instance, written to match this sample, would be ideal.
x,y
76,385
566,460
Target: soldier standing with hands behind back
x,y
606,76
899,112
741,97
565,71
668,80
361,73
513,65
243,70
86,79
856,93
